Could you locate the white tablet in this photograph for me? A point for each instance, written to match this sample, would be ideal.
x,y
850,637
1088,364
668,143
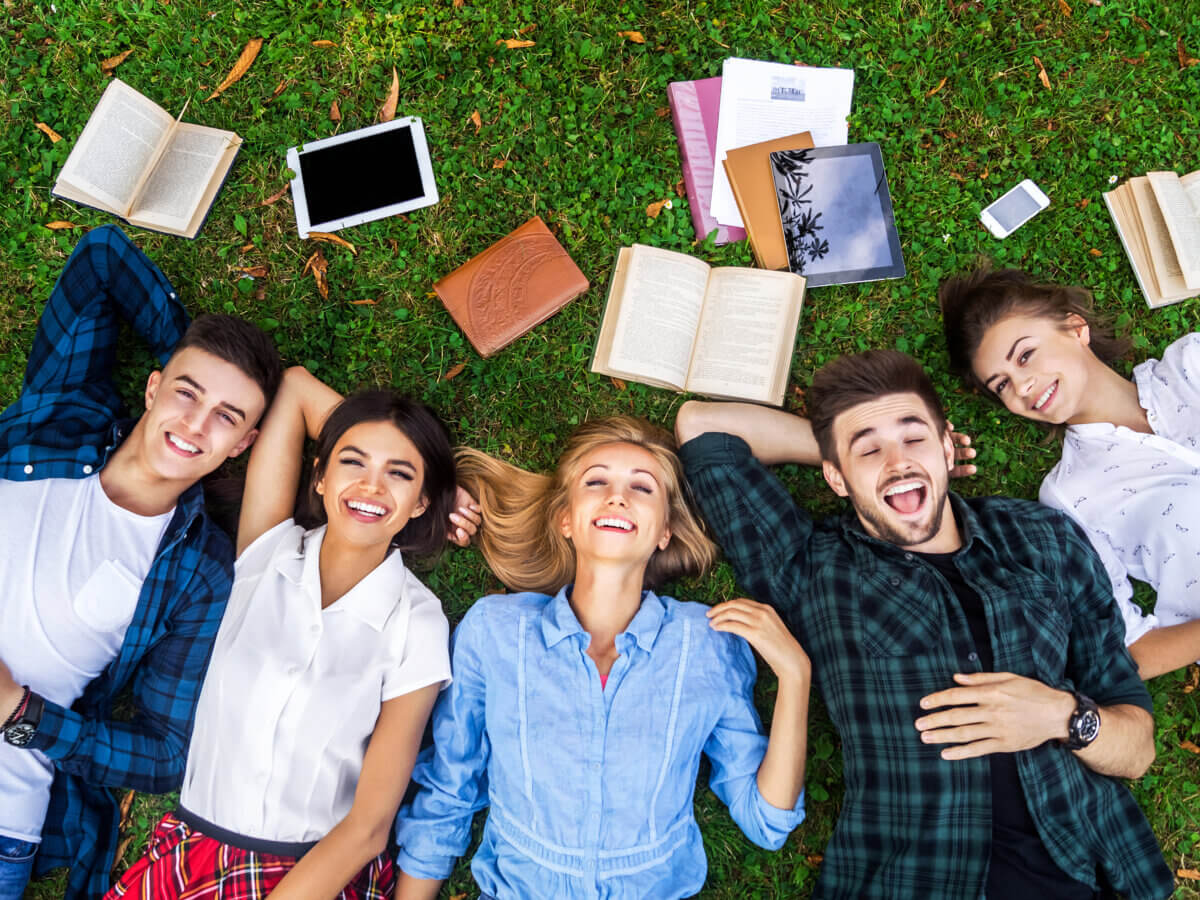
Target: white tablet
x,y
361,176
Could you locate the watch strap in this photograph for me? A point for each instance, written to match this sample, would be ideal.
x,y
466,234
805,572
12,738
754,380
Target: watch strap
x,y
1084,725
20,731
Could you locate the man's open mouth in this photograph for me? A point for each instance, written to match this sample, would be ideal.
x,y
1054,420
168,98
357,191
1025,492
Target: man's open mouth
x,y
906,497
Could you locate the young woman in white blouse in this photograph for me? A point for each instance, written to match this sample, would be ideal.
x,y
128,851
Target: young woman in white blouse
x,y
326,665
1130,467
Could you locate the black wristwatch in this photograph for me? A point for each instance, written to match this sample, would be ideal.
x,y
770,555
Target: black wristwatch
x,y
1084,725
23,724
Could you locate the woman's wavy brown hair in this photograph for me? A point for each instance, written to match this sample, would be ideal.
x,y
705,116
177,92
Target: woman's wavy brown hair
x,y
521,538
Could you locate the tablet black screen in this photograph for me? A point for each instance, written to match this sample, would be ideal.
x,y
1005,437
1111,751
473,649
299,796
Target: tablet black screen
x,y
359,176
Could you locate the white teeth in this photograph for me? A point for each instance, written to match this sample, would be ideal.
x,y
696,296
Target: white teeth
x,y
369,508
614,523
1041,401
903,488
182,444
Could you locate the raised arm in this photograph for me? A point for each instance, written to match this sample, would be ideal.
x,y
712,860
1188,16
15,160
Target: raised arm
x,y
774,436
363,834
301,405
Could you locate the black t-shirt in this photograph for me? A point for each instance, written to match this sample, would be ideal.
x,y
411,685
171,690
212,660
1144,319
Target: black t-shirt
x,y
1021,867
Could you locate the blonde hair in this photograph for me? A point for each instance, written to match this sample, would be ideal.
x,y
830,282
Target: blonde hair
x,y
521,538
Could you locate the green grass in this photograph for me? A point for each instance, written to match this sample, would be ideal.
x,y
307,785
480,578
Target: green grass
x,y
580,120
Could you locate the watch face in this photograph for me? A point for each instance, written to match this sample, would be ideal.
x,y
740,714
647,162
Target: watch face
x,y
19,735
1089,726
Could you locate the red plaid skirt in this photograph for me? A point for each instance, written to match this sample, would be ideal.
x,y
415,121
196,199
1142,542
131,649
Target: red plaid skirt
x,y
186,864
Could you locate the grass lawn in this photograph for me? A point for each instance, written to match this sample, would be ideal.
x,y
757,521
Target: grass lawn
x,y
576,128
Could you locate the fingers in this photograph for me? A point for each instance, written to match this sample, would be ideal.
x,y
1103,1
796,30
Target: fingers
x,y
964,734
760,626
975,748
464,520
951,718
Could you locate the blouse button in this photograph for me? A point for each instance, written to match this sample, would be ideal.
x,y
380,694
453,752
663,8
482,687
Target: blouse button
x,y
28,470
895,581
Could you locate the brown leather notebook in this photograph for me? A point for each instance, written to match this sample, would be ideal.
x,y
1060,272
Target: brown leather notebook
x,y
518,282
749,171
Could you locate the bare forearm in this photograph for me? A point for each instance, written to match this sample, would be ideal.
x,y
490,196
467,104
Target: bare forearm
x,y
774,436
325,870
1125,745
313,397
410,888
781,773
1166,649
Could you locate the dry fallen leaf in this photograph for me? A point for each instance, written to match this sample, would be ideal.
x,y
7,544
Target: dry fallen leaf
x,y
1188,874
369,301
499,163
516,45
1141,23
59,225
126,803
1042,76
387,112
1132,60
617,383
941,84
458,3
49,132
1189,747
241,66
814,859
984,174
283,83
655,208
454,372
1083,204
634,36
246,248
318,265
335,114
121,848
326,238
680,188
477,121
1065,8
323,43
279,193
1093,252
253,271
113,61
1184,60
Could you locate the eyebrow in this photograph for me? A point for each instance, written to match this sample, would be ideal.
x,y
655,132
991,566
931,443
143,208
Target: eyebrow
x,y
869,430
1007,358
391,462
199,388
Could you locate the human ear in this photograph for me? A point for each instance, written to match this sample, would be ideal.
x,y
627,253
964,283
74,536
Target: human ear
x,y
244,444
665,539
833,477
948,447
152,385
564,524
319,487
1079,326
419,509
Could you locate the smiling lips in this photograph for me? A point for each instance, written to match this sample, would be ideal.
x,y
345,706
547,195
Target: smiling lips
x,y
180,446
906,497
364,511
1047,396
612,523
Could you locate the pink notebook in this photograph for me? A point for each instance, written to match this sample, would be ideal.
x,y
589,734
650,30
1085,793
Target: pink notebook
x,y
694,109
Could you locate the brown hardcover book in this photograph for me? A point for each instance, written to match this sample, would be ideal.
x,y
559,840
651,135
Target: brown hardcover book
x,y
749,171
518,282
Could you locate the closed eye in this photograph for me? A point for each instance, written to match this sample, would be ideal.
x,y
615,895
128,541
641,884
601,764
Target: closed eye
x,y
915,440
227,419
403,473
644,488
870,452
595,482
186,394
350,461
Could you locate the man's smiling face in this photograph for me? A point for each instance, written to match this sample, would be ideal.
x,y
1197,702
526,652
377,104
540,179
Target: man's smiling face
x,y
894,465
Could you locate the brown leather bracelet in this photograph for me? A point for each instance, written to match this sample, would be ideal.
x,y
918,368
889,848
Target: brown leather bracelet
x,y
20,710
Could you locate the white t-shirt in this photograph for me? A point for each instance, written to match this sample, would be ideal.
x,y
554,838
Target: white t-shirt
x,y
1138,495
72,568
293,691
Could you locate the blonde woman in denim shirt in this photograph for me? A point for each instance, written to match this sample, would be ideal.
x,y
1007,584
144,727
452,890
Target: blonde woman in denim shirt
x,y
578,713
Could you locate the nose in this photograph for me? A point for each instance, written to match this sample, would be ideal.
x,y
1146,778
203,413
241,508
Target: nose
x,y
1027,385
896,457
617,497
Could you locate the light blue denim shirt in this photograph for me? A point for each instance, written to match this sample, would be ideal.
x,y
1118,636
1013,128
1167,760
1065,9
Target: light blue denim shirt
x,y
590,790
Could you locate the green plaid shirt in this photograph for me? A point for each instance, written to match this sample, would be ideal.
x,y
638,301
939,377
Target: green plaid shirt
x,y
875,622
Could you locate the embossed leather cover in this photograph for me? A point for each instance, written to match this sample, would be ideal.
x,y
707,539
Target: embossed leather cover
x,y
517,283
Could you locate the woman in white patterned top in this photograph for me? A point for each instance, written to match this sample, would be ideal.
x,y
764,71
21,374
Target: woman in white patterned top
x,y
1130,467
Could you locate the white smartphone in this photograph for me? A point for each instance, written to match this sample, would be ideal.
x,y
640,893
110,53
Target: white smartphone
x,y
1014,209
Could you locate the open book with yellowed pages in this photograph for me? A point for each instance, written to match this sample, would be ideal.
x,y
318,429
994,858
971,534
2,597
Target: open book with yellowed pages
x,y
1158,220
674,321
137,162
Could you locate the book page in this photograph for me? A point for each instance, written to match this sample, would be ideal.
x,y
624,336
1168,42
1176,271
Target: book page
x,y
1191,187
1158,238
761,101
118,143
1183,223
746,333
658,296
182,176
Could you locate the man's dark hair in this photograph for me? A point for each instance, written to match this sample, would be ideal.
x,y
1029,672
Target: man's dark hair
x,y
973,302
241,343
860,378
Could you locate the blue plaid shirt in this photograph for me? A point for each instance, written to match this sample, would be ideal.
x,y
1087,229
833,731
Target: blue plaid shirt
x,y
66,424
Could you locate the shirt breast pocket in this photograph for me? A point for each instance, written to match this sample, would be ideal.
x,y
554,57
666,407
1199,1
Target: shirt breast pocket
x,y
103,607
1047,624
896,621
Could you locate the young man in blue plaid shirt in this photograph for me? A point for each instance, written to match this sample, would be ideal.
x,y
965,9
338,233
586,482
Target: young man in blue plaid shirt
x,y
968,650
114,575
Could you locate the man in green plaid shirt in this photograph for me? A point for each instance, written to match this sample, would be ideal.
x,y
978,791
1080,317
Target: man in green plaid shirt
x,y
969,651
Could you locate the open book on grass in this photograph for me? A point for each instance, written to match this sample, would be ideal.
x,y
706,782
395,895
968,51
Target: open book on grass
x,y
676,322
138,162
1158,220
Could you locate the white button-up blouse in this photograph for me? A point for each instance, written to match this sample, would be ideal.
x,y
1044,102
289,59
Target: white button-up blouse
x,y
1138,495
293,690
